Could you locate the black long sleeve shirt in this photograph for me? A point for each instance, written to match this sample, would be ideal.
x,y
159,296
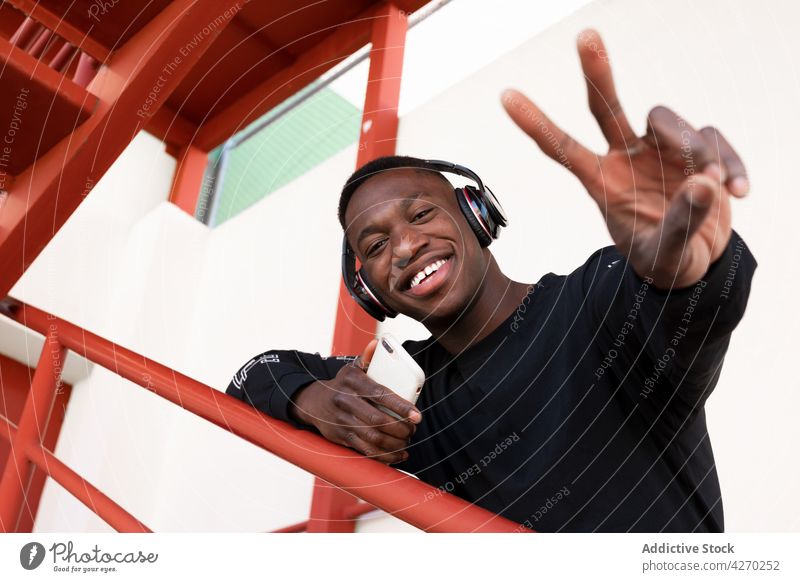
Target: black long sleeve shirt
x,y
583,411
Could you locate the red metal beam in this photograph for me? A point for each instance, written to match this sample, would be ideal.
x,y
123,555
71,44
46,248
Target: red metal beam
x,y
25,32
359,509
327,513
295,528
56,23
188,180
15,386
354,327
30,431
343,40
63,58
137,80
85,70
352,511
404,497
38,108
174,130
85,492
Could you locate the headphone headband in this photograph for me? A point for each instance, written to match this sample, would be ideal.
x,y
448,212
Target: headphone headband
x,y
493,204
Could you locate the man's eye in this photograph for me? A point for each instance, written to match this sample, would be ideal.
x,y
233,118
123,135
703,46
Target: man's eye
x,y
421,214
377,246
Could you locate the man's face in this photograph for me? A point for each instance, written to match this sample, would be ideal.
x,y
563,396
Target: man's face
x,y
401,221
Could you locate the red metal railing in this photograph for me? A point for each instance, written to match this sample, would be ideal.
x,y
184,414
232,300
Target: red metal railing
x,y
401,495
41,43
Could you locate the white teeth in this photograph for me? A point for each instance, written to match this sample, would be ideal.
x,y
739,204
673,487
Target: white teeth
x,y
432,268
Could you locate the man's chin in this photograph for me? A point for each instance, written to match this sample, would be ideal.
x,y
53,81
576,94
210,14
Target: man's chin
x,y
433,311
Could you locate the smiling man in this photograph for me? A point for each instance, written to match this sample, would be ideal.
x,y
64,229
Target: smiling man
x,y
575,403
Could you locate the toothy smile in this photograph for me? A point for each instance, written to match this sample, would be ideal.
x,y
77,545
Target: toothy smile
x,y
427,271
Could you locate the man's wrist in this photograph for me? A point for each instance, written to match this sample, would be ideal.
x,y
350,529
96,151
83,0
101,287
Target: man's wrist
x,y
296,408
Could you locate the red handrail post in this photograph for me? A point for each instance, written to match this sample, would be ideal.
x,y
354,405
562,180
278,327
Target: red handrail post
x,y
30,430
86,70
187,183
354,327
25,32
328,504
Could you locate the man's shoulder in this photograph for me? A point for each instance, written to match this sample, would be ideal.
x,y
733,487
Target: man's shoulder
x,y
595,265
605,257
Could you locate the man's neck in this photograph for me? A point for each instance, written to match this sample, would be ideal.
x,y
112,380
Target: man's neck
x,y
495,301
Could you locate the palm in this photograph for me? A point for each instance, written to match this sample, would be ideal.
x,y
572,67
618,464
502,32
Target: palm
x,y
664,195
635,191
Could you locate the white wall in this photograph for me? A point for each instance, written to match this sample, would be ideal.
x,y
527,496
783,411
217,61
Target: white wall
x,y
201,302
132,267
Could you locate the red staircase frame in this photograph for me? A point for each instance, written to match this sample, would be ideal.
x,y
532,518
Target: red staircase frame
x,y
408,499
43,196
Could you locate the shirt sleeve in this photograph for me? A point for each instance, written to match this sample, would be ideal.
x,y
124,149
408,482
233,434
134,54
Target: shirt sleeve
x,y
270,380
654,338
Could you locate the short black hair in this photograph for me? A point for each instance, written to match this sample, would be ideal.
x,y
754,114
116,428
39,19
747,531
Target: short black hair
x,y
376,166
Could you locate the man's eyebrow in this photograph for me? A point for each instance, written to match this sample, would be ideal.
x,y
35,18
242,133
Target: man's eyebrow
x,y
404,204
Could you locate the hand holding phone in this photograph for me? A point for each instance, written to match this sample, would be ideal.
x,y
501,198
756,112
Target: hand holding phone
x,y
345,409
392,366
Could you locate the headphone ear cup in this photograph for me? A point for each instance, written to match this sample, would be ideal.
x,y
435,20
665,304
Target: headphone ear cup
x,y
374,306
463,196
355,280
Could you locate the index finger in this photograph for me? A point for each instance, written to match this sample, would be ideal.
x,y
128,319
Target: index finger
x,y
550,138
370,390
371,416
603,101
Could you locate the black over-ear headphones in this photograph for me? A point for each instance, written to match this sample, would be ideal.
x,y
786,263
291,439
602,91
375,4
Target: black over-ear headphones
x,y
481,209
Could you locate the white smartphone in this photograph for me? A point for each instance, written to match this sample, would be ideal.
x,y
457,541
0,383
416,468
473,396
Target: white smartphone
x,y
393,367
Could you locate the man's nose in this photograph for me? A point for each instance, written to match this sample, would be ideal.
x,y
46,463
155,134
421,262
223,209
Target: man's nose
x,y
406,248
406,245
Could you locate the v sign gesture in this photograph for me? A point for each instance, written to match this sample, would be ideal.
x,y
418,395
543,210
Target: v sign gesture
x,y
665,195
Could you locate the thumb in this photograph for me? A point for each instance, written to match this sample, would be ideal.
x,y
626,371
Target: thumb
x,y
369,351
365,358
688,210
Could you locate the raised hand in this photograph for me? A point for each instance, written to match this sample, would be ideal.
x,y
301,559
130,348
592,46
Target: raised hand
x,y
665,196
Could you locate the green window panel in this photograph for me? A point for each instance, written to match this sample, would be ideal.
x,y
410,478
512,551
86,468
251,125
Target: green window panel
x,y
296,142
